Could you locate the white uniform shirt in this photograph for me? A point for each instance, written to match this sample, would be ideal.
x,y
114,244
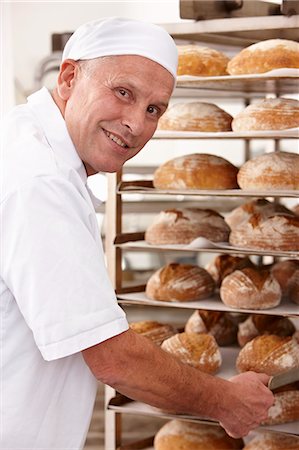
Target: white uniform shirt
x,y
56,297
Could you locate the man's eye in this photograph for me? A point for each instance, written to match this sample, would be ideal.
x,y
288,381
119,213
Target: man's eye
x,y
123,92
153,110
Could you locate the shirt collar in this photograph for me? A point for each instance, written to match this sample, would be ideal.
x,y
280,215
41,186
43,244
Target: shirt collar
x,y
54,127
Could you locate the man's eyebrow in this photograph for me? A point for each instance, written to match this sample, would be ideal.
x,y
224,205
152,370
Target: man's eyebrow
x,y
132,86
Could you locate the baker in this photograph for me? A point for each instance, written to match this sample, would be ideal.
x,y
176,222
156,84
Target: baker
x,y
61,327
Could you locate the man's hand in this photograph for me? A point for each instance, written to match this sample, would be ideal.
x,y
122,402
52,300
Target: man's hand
x,y
252,400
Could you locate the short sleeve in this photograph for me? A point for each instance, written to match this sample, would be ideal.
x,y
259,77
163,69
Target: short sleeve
x,y
53,263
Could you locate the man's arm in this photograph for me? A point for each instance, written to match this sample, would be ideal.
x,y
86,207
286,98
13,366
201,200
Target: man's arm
x,y
141,370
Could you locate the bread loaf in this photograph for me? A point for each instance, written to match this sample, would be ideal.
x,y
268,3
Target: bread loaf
x,y
268,114
265,56
182,435
155,331
273,441
295,209
260,206
195,116
278,170
270,354
250,288
279,232
223,265
182,226
285,408
196,171
198,350
258,324
180,283
201,61
287,274
218,324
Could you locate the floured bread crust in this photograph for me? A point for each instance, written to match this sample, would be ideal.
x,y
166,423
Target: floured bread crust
x,y
201,61
273,441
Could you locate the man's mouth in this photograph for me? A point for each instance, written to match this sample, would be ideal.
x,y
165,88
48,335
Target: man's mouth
x,y
115,139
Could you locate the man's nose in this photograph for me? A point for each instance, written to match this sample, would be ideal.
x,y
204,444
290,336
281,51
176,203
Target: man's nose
x,y
134,119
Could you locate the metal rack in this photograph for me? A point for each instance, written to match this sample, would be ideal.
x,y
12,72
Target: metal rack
x,y
235,31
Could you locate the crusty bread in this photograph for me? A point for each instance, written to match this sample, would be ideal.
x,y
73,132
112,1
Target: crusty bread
x,y
269,353
265,56
195,116
201,61
285,408
180,283
277,170
155,331
258,324
273,441
198,350
259,206
182,226
218,324
268,114
278,232
182,435
287,274
250,288
196,171
223,265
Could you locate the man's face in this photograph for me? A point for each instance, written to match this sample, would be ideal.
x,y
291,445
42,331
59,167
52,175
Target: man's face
x,y
113,109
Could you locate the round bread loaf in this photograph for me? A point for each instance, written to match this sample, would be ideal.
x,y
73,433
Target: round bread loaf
x,y
155,331
182,226
198,350
269,353
196,171
265,56
223,265
258,324
285,408
278,232
287,274
273,441
277,170
250,288
180,283
195,116
218,324
182,435
268,114
201,61
260,206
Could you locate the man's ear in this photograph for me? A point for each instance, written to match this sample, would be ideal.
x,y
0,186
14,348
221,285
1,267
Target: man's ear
x,y
66,78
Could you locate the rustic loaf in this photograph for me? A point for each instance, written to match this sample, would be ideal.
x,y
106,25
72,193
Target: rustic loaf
x,y
182,226
180,283
273,441
287,274
258,324
198,350
201,61
155,331
223,265
285,408
182,435
260,206
196,171
219,324
250,288
268,114
195,116
277,232
269,353
265,56
277,170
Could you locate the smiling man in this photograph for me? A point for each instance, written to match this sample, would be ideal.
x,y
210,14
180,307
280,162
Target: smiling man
x,y
61,326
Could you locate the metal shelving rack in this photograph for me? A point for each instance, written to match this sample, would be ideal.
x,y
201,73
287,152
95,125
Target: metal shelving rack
x,y
236,31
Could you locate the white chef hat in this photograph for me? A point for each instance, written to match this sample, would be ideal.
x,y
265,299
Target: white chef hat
x,y
120,36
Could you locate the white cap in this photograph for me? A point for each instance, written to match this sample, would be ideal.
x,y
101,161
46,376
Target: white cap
x,y
120,36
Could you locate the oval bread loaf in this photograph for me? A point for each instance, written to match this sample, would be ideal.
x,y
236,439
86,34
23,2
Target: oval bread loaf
x,y
195,116
285,408
196,171
265,56
273,441
155,331
201,61
180,283
287,274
